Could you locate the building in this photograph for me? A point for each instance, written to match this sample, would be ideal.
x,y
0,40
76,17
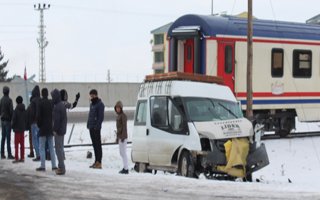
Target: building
x,y
159,46
314,20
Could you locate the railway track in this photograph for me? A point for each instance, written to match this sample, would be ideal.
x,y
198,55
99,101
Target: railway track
x,y
88,145
265,137
291,135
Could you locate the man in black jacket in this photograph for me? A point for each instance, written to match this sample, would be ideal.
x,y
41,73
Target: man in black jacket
x,y
95,119
59,116
6,111
44,123
35,98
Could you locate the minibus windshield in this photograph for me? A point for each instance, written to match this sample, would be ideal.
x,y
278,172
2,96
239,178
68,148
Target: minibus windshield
x,y
206,109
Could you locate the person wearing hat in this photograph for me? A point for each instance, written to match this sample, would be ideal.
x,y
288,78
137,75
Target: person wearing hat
x,y
64,99
6,112
122,135
19,120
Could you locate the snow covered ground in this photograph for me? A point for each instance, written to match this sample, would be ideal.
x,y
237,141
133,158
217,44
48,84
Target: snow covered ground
x,y
293,173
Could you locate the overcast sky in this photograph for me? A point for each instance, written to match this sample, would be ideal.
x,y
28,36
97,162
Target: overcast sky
x,y
89,37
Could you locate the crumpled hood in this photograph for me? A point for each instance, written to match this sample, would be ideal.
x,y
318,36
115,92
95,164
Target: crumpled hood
x,y
233,128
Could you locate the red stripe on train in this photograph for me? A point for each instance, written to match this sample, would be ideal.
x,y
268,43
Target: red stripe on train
x,y
263,40
285,94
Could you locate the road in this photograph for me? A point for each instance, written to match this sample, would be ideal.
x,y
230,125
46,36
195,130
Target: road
x,y
31,185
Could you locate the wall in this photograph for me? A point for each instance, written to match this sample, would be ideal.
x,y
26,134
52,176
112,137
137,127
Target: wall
x,y
108,92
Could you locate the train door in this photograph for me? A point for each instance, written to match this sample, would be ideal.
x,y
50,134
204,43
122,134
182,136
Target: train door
x,y
226,65
188,55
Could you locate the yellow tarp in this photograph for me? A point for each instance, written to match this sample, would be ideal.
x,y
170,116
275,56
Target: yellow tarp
x,y
237,151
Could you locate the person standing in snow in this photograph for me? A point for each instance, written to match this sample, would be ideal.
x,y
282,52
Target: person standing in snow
x,y
28,115
59,116
45,130
64,99
19,121
35,96
6,111
94,123
122,135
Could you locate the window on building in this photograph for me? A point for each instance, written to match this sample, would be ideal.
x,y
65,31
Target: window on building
x,y
302,63
158,57
158,39
141,114
228,59
277,63
159,71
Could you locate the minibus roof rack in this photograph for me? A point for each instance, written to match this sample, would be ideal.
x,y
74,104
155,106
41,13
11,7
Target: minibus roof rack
x,y
184,76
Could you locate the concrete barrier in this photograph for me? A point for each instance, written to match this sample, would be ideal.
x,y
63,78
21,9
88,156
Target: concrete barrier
x,y
108,92
109,115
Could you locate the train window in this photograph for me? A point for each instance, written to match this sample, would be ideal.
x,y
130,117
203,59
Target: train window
x,y
277,62
228,59
302,63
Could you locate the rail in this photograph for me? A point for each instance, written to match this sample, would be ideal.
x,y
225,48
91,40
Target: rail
x,y
291,135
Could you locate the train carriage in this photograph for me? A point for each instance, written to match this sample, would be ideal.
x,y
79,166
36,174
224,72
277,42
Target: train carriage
x,y
286,63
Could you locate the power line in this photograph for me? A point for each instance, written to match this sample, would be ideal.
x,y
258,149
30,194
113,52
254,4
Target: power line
x,y
16,32
14,4
16,26
92,9
15,39
110,11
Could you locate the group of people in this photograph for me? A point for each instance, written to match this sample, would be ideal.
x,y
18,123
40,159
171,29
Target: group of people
x,y
46,121
94,124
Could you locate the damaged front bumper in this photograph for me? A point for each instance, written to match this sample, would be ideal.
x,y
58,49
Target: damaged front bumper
x,y
257,158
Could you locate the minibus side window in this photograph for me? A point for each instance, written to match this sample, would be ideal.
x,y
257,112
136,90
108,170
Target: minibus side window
x,y
141,114
159,112
175,117
165,115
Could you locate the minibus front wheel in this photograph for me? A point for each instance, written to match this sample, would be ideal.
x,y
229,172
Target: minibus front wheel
x,y
186,165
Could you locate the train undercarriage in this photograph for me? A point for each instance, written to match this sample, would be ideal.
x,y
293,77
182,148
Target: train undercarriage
x,y
282,122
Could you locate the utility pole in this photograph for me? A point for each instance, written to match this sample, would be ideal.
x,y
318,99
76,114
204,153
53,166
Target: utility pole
x,y
43,43
211,7
109,76
249,113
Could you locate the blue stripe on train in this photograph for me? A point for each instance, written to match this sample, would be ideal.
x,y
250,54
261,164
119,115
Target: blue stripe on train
x,y
283,101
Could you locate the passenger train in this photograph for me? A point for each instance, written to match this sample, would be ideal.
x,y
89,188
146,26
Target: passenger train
x,y
286,63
